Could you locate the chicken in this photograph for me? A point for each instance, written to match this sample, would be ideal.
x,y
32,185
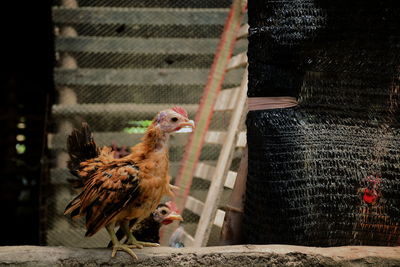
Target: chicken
x,y
149,229
117,191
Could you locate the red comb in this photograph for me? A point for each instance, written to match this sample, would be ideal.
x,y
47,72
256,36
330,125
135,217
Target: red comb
x,y
172,206
180,110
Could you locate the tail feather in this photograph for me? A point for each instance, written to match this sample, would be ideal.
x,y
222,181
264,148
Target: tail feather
x,y
95,220
74,207
81,147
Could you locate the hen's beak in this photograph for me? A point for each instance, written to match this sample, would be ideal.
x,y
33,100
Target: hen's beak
x,y
186,127
172,217
187,124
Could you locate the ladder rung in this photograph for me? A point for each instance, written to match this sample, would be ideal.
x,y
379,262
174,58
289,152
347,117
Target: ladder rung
x,y
196,206
218,137
230,179
226,99
219,218
243,31
129,77
187,239
206,172
135,77
215,137
237,61
187,46
140,111
241,139
140,16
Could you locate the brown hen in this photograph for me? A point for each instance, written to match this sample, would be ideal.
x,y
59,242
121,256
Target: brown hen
x,y
117,191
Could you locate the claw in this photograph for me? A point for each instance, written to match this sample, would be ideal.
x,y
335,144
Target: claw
x,y
135,246
174,187
124,248
141,244
170,190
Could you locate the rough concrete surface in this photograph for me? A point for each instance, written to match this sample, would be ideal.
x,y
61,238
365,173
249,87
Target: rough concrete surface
x,y
247,255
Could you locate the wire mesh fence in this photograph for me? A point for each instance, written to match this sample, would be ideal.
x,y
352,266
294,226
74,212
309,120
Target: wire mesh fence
x,y
119,62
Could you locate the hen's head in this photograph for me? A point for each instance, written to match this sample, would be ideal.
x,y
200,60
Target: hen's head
x,y
172,120
166,213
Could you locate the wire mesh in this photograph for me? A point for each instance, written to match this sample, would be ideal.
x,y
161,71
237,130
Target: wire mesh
x,y
120,62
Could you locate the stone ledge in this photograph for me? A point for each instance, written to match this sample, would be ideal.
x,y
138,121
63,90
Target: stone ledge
x,y
246,255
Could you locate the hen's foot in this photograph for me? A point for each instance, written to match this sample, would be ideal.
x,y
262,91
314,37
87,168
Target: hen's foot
x,y
125,248
141,244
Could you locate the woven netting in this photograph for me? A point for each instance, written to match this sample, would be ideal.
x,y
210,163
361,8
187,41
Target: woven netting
x,y
327,172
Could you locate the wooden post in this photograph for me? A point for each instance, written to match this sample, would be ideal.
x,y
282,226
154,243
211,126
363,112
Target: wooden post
x,y
232,229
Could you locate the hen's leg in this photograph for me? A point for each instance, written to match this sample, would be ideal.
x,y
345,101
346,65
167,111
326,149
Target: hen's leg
x,y
132,241
116,244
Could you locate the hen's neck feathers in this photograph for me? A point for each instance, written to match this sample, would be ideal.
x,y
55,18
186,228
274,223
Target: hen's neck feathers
x,y
155,139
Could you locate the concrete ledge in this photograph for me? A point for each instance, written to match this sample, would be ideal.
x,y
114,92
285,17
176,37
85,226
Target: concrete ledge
x,y
248,255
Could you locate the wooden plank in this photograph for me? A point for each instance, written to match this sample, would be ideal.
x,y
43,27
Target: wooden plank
x,y
232,231
179,46
196,206
215,137
204,171
218,137
219,218
237,61
230,180
129,110
241,140
155,4
210,207
140,16
135,77
226,99
243,31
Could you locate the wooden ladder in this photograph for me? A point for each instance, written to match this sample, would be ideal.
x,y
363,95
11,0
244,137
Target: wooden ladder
x,y
232,100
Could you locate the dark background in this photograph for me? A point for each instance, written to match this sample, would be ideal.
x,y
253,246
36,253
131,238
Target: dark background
x,y
26,94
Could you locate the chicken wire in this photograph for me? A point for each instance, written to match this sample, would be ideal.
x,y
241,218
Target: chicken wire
x,y
119,62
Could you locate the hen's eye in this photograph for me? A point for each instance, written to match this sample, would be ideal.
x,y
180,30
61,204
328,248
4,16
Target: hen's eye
x,y
163,212
174,119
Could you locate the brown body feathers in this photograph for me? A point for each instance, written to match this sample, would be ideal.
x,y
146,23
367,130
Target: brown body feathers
x,y
124,189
